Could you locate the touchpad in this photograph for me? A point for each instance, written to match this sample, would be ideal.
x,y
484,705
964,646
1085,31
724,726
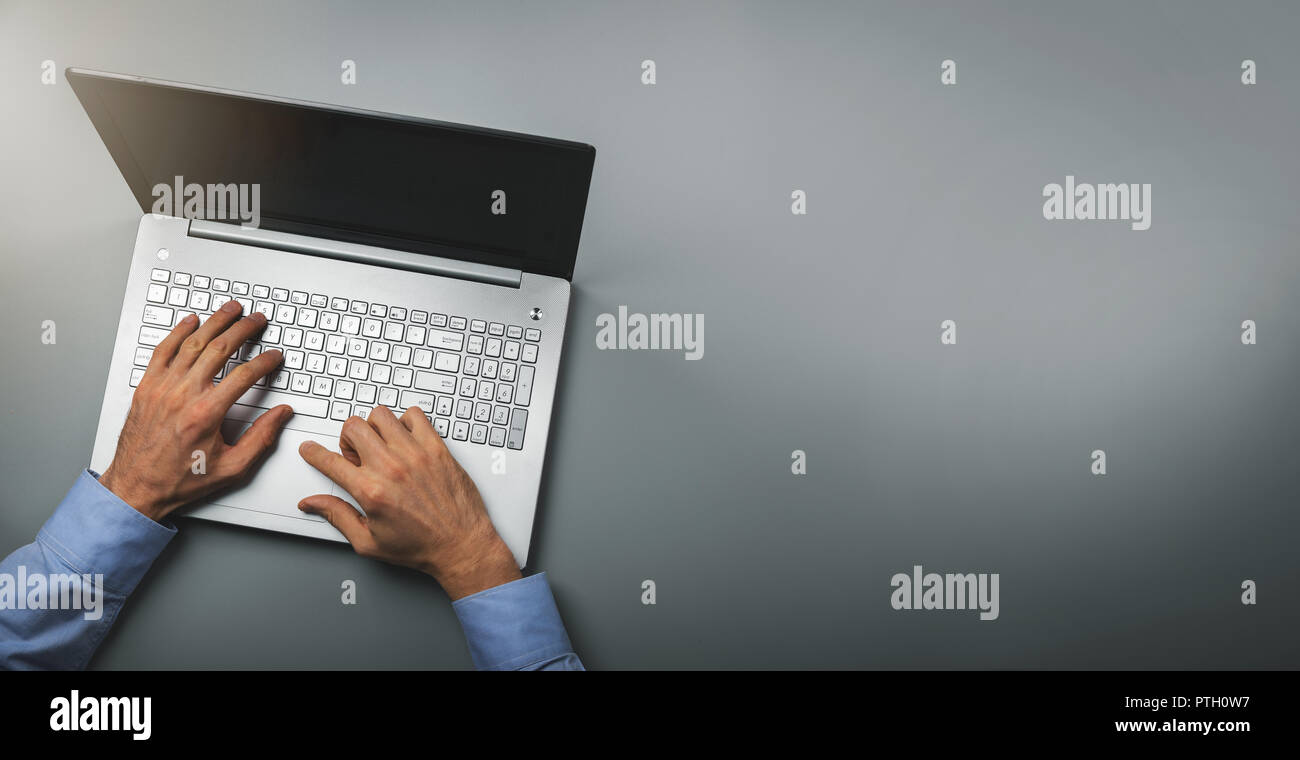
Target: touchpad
x,y
283,478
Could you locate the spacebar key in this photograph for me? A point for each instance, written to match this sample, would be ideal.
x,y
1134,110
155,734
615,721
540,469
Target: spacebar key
x,y
266,399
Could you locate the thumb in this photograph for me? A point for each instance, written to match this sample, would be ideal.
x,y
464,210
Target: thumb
x,y
344,517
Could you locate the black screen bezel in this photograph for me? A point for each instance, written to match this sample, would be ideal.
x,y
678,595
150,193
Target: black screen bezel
x,y
576,161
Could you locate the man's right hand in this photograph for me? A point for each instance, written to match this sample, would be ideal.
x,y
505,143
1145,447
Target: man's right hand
x,y
422,509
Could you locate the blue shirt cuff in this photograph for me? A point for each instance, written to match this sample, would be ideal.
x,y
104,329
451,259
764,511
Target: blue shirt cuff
x,y
515,626
94,531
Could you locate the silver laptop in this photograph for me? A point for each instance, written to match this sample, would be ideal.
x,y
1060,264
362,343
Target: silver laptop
x,y
400,262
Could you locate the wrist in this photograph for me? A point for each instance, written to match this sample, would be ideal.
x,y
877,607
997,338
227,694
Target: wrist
x,y
482,568
141,503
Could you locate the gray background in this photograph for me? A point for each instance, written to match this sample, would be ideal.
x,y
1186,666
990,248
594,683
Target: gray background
x,y
821,332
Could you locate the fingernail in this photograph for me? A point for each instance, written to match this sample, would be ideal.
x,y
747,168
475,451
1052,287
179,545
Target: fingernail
x,y
230,307
189,318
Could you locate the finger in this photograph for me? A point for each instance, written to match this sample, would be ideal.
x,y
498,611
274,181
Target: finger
x,y
383,420
194,346
331,465
419,425
344,517
256,441
362,438
223,346
163,352
237,382
349,453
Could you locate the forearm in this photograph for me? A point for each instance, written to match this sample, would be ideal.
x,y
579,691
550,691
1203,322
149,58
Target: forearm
x,y
516,626
60,594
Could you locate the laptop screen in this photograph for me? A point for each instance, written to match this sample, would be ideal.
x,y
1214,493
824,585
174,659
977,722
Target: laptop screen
x,y
430,187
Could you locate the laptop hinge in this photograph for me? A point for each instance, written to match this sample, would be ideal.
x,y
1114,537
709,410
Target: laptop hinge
x,y
362,254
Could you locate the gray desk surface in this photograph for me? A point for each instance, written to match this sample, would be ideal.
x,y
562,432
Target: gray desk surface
x,y
822,331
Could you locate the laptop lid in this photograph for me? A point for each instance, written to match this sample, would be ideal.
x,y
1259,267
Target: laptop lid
x,y
418,185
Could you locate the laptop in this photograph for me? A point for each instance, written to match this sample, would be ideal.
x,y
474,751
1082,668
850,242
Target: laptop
x,y
400,262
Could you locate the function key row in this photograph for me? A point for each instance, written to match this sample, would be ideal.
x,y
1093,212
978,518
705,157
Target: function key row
x,y
159,277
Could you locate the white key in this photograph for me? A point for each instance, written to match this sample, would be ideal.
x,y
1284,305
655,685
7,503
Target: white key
x,y
178,297
315,363
372,328
388,396
221,285
292,337
285,314
307,317
142,356
401,355
335,344
402,377
338,366
442,425
323,386
340,410
266,399
271,334
199,300
512,351
460,431
158,315
394,331
359,370
444,406
525,392
201,281
416,335
475,344
344,389
157,293
477,325
315,341
492,347
381,373
136,376
379,351
445,339
280,380
530,352
293,358
329,321
447,362
468,386
508,373
301,383
160,275
431,381
532,334
358,348
151,336
423,358
486,390
182,279
350,325
218,301
366,394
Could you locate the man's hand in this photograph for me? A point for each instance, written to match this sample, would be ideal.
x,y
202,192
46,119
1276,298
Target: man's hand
x,y
422,509
177,411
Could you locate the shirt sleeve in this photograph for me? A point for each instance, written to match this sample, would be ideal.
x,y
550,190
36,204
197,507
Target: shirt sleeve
x,y
516,626
60,594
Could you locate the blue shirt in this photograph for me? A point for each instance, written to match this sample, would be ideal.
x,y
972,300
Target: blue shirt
x,y
60,594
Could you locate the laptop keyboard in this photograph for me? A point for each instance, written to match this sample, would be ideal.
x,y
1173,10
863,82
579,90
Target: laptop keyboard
x,y
472,378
